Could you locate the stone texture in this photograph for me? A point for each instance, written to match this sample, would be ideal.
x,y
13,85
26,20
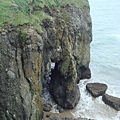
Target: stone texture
x,y
60,109
64,90
20,74
47,107
59,118
26,57
70,53
96,89
112,101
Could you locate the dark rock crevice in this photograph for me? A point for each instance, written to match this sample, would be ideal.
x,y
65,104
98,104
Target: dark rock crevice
x,y
19,75
64,90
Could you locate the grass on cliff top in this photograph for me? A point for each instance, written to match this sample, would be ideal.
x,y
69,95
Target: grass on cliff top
x,y
15,12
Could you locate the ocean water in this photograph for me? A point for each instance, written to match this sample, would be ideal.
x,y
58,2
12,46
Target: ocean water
x,y
105,47
105,60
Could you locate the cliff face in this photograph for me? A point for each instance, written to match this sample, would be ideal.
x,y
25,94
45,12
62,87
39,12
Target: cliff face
x,y
20,75
68,40
26,56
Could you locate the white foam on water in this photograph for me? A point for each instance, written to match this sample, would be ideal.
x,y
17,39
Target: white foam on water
x,y
94,108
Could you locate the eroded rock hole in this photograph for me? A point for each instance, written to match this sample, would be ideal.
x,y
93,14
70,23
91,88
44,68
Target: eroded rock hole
x,y
52,66
48,101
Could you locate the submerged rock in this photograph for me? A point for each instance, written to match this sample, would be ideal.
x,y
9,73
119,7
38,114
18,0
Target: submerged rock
x,y
112,101
96,89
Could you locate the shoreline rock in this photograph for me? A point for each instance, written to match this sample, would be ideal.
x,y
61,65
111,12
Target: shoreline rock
x,y
96,89
111,101
47,107
59,118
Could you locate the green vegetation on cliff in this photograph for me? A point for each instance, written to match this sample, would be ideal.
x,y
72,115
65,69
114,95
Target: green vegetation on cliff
x,y
19,12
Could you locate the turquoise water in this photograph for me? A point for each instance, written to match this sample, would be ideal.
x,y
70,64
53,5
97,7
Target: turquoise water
x,y
105,60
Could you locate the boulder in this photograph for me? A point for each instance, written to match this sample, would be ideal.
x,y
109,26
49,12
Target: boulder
x,y
112,101
60,109
96,89
47,107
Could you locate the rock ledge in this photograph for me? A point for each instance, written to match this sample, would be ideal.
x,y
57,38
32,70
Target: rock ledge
x,y
112,101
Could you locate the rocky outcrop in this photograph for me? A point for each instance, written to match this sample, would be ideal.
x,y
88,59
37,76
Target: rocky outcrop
x,y
26,56
72,43
112,101
20,75
96,89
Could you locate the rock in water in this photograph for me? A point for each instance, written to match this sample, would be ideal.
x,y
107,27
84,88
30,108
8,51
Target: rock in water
x,y
96,89
112,101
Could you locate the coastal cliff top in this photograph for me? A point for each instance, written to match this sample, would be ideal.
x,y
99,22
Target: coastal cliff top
x,y
19,12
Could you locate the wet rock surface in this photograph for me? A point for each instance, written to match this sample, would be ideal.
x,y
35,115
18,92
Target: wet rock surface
x,y
47,107
59,118
96,89
60,109
112,101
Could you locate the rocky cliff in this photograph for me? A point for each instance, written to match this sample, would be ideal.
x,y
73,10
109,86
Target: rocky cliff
x,y
58,32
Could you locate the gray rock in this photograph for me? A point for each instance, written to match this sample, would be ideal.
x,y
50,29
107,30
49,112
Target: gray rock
x,y
47,107
85,73
20,96
3,33
60,109
15,6
11,75
112,101
96,89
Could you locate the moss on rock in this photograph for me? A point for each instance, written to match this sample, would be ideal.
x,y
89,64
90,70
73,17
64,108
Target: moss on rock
x,y
67,68
21,12
23,37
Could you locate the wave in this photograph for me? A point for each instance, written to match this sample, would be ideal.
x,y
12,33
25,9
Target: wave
x,y
92,108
